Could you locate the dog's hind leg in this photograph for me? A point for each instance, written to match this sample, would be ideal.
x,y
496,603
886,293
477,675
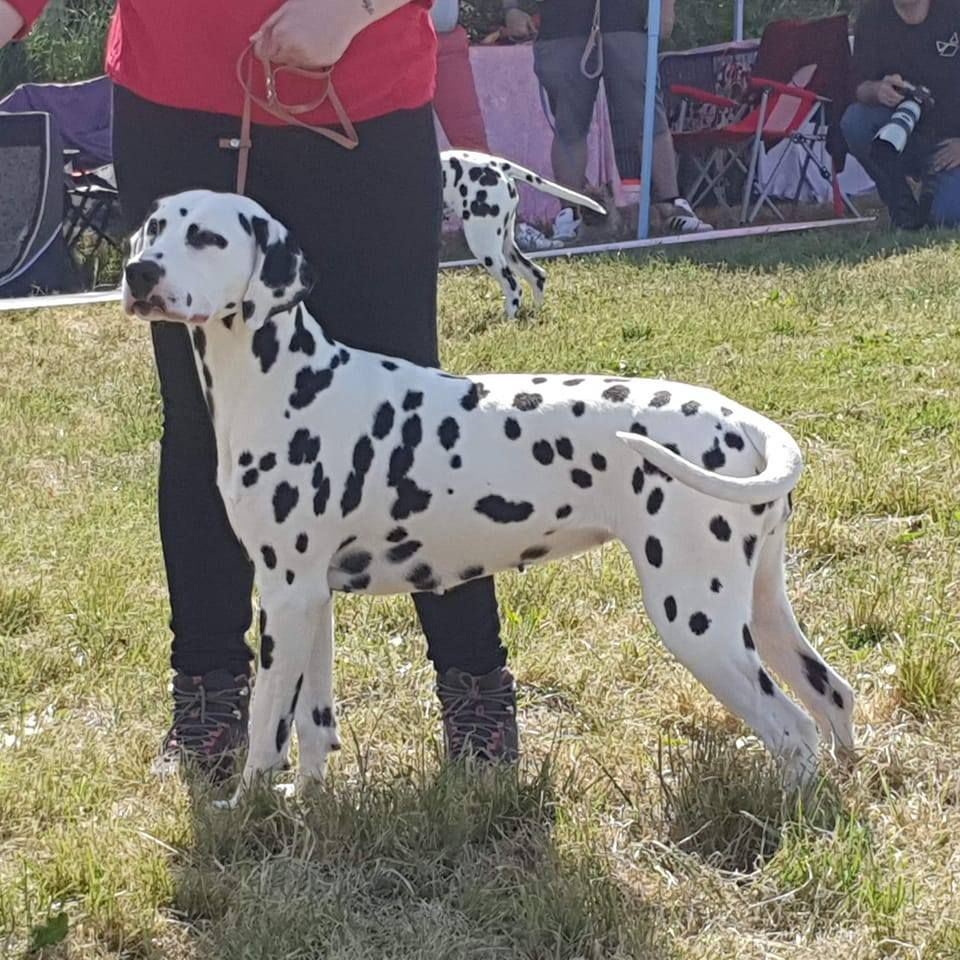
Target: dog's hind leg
x,y
487,247
290,616
782,645
708,632
534,274
316,715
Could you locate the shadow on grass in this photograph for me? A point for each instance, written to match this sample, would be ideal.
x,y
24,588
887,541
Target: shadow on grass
x,y
455,863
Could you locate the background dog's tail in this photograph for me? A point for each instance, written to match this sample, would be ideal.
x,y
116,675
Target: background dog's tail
x,y
523,175
781,455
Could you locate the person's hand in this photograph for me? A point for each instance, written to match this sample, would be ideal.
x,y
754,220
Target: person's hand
x,y
891,90
11,23
519,25
308,34
947,156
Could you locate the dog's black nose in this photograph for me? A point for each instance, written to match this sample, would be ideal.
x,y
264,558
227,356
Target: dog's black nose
x,y
142,277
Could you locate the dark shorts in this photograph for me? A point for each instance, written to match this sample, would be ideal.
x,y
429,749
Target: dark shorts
x,y
572,95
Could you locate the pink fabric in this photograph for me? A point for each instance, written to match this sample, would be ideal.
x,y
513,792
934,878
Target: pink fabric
x,y
517,128
455,100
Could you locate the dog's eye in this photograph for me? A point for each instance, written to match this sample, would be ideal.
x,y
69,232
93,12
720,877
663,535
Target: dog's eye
x,y
199,239
155,227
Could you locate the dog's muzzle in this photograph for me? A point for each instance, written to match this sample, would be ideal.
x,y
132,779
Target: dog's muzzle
x,y
142,276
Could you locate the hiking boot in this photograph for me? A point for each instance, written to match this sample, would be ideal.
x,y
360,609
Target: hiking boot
x,y
479,715
209,728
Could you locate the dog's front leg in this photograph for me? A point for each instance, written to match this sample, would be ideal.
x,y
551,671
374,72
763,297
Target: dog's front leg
x,y
290,619
316,715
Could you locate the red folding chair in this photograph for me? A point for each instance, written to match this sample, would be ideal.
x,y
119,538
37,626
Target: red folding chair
x,y
800,86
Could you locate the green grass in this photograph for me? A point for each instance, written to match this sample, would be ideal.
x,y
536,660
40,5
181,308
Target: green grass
x,y
644,822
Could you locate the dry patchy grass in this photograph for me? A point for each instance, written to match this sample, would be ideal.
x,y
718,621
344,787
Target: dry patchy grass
x,y
644,823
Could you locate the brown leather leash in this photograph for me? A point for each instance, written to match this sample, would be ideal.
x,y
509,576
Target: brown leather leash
x,y
289,113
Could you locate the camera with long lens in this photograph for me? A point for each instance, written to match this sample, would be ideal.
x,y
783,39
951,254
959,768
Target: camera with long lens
x,y
892,137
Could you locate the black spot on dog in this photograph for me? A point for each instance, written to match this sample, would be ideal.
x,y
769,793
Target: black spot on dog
x,y
324,717
200,342
245,459
720,528
660,399
504,511
291,576
766,684
355,562
637,481
749,545
599,461
303,541
412,400
638,428
207,377
280,263
396,535
690,408
616,394
748,638
670,608
353,488
285,498
403,551
448,433
539,380
244,222
543,452
308,384
714,458
565,448
321,484
581,478
283,732
715,585
471,398
816,673
227,321
266,651
383,420
267,462
412,431
303,448
456,462
269,557
837,699
757,508
511,428
422,577
302,340
564,511
654,551
573,383
534,553
699,623
410,499
471,573
201,239
733,440
250,477
579,408
654,501
726,411
527,401
388,365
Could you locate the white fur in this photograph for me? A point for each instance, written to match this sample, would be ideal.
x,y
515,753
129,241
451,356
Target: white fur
x,y
347,470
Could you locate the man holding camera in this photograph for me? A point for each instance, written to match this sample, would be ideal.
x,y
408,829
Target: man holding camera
x,y
906,121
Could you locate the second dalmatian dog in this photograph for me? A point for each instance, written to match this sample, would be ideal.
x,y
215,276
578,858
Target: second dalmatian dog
x,y
481,190
351,471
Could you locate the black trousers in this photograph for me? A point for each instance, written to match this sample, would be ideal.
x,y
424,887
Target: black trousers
x,y
369,223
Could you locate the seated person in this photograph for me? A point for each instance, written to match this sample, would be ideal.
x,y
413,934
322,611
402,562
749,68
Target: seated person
x,y
569,59
900,44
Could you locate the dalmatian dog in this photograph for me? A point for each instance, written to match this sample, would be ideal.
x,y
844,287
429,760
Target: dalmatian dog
x,y
344,470
481,190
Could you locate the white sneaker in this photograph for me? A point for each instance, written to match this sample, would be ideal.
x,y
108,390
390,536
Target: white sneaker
x,y
684,220
530,239
566,226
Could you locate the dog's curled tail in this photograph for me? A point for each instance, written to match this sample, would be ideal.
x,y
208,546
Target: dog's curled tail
x,y
523,175
782,456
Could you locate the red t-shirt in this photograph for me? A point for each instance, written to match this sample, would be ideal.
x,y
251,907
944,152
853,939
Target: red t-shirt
x,y
183,53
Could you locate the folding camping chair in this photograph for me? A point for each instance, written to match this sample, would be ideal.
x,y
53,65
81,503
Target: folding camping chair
x,y
82,113
800,86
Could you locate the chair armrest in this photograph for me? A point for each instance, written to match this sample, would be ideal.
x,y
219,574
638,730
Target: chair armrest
x,y
762,83
702,96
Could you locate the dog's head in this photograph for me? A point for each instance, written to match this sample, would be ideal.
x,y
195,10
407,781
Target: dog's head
x,y
200,255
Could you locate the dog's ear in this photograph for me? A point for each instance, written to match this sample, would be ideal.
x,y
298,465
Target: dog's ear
x,y
280,276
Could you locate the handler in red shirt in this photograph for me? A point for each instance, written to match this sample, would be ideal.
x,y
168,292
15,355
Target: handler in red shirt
x,y
368,220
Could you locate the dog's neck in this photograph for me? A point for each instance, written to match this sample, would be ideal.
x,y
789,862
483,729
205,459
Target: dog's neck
x,y
264,376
